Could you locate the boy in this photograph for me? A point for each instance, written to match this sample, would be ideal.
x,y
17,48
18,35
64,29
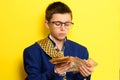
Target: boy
x,y
37,56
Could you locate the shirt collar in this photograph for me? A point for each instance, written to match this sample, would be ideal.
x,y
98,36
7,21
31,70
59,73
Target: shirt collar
x,y
55,46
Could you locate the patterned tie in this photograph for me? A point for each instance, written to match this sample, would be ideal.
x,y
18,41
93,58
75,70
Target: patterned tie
x,y
50,50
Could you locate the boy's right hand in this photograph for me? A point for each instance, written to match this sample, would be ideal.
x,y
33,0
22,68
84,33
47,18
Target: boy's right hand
x,y
62,68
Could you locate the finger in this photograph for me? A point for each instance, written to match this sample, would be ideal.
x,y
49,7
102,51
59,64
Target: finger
x,y
85,71
62,69
82,73
89,69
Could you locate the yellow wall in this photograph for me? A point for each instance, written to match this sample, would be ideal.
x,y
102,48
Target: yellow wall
x,y
97,26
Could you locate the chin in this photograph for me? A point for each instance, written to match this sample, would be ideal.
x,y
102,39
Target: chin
x,y
61,38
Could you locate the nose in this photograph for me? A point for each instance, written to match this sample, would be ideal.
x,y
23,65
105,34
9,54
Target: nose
x,y
62,27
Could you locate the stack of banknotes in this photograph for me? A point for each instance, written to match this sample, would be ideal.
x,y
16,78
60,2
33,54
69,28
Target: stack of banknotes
x,y
75,62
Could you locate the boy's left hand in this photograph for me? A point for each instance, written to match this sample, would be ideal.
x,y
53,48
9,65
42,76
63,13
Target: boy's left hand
x,y
86,71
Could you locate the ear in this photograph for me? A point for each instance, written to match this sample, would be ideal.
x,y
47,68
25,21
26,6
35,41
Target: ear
x,y
46,24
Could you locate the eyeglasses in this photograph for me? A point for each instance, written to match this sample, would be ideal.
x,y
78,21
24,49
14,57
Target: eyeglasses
x,y
58,24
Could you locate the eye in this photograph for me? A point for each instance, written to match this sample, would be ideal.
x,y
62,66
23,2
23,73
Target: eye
x,y
57,23
67,24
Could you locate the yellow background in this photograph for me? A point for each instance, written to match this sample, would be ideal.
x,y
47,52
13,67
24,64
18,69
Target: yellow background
x,y
97,26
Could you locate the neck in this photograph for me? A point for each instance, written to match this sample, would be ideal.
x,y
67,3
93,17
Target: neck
x,y
59,43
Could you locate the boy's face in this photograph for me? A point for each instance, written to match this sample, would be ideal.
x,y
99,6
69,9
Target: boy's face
x,y
59,25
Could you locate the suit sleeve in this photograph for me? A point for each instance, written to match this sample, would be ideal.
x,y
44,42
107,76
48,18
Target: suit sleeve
x,y
33,66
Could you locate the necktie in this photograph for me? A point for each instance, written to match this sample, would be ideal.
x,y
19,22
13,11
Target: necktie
x,y
50,50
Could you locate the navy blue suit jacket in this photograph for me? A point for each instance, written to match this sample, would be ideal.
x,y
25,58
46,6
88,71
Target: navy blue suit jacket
x,y
38,67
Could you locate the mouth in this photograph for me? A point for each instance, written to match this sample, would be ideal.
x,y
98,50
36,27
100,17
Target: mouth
x,y
62,34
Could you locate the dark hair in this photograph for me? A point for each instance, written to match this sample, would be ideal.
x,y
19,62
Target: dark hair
x,y
57,7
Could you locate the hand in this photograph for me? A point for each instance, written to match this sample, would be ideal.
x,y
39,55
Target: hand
x,y
62,68
85,70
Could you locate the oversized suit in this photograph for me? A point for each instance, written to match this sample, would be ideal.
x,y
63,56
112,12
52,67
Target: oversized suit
x,y
38,67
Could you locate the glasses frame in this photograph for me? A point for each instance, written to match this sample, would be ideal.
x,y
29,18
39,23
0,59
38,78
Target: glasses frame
x,y
58,24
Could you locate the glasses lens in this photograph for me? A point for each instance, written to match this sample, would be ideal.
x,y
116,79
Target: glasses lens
x,y
68,23
59,24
